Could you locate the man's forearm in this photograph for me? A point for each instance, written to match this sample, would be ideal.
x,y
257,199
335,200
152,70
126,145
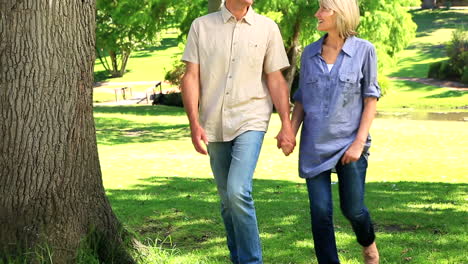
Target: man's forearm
x,y
280,96
190,97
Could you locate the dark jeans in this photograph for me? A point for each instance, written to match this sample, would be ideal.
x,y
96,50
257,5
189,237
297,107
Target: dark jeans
x,y
351,181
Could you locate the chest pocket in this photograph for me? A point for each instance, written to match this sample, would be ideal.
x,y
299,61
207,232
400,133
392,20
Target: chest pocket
x,y
347,94
349,87
312,95
256,53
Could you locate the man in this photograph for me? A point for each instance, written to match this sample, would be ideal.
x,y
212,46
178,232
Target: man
x,y
234,59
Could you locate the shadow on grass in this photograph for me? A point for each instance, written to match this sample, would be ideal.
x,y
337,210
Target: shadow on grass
x,y
415,86
100,76
447,94
430,21
417,67
166,43
115,130
406,214
140,110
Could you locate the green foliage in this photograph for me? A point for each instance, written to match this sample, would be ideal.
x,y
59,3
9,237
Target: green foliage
x,y
464,77
388,25
434,69
175,74
125,25
447,71
457,51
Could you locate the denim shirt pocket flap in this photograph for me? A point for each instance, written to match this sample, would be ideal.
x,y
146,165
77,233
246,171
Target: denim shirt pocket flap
x,y
348,78
311,80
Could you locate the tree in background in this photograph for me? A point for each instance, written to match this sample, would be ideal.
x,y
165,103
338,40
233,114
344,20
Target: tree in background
x,y
389,26
126,25
51,192
386,23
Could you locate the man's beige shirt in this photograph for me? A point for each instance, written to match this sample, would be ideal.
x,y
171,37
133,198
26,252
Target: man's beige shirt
x,y
234,57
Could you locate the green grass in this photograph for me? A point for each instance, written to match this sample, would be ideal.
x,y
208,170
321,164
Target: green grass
x,y
413,96
434,31
162,190
160,187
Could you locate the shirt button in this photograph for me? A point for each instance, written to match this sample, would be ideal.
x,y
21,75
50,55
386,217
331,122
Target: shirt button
x,y
230,77
233,60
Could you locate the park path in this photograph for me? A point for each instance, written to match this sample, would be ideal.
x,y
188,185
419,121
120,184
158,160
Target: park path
x,y
440,83
138,97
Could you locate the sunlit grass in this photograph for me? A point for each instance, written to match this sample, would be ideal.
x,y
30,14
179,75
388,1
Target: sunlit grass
x,y
416,190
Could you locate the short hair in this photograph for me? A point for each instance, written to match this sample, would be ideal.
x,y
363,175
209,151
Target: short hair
x,y
347,15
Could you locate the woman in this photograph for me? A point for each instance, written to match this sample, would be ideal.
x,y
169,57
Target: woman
x,y
336,102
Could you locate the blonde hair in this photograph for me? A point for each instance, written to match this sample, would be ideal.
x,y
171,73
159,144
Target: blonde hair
x,y
347,15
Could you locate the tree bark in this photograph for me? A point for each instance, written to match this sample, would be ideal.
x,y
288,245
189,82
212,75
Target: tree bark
x,y
428,4
293,52
214,5
51,190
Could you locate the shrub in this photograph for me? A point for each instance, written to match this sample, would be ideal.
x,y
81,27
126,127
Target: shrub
x,y
434,69
175,74
464,77
457,50
447,71
384,84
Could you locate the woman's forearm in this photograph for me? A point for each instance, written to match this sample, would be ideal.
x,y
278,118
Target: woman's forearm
x,y
297,117
368,114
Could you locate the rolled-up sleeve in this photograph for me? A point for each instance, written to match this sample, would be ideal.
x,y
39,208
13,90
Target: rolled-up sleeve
x,y
191,48
275,57
369,84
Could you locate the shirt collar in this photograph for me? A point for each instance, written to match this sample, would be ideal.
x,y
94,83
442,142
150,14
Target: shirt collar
x,y
347,48
249,17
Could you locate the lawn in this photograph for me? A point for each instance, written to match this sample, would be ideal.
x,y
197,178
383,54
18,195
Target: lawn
x,y
434,31
161,189
417,182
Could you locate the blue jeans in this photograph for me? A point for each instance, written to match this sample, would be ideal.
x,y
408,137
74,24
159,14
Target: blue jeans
x,y
351,181
233,164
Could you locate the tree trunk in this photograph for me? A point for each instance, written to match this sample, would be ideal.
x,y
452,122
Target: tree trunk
x,y
214,5
123,65
293,52
428,4
51,190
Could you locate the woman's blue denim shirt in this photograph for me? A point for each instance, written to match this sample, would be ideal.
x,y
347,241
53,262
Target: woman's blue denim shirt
x,y
333,102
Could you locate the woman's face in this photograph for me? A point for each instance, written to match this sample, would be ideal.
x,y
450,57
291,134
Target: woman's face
x,y
326,19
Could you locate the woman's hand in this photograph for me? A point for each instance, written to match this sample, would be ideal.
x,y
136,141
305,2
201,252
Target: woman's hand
x,y
353,153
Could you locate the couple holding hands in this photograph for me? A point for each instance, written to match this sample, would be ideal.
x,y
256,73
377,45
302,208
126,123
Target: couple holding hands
x,y
233,78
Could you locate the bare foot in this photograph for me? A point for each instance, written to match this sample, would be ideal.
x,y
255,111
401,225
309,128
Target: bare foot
x,y
371,254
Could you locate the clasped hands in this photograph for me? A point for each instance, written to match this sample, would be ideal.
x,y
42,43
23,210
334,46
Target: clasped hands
x,y
286,140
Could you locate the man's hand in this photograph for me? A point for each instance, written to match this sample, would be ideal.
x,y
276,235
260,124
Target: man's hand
x,y
199,136
286,140
353,153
